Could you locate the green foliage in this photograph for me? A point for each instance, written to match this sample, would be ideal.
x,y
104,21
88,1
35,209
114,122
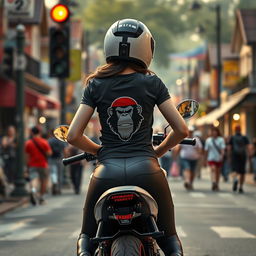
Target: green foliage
x,y
169,20
247,4
161,20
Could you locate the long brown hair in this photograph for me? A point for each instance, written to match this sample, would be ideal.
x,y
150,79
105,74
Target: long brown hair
x,y
115,68
213,128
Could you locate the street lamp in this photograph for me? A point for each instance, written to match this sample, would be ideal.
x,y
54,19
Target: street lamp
x,y
197,6
19,189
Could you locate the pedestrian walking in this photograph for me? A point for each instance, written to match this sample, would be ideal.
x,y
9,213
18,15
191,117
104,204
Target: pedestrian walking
x,y
214,153
225,168
239,151
8,153
199,135
3,180
38,150
76,170
166,162
189,157
55,164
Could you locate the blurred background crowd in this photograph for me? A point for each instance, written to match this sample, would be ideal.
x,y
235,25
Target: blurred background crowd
x,y
227,159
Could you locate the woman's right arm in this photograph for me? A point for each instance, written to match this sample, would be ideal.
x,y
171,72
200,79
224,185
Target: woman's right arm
x,y
76,135
177,123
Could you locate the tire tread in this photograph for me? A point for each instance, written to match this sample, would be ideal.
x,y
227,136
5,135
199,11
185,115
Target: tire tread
x,y
126,246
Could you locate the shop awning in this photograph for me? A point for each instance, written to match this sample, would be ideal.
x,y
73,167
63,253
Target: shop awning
x,y
195,53
217,113
32,98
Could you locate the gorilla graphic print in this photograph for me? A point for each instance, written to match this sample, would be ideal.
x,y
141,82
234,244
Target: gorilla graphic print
x,y
124,117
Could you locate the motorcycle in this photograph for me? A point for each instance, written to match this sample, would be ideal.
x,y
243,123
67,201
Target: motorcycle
x,y
130,211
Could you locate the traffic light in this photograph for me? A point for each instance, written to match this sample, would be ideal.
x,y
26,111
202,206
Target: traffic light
x,y
59,52
59,42
8,61
60,13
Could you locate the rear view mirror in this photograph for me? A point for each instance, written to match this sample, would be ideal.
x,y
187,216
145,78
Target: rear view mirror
x,y
188,108
61,133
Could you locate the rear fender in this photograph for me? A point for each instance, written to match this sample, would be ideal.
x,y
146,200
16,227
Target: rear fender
x,y
121,194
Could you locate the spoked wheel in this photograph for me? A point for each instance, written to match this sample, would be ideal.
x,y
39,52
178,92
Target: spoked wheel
x,y
127,246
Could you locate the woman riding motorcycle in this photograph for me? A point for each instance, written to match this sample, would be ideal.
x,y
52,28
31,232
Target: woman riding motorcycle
x,y
125,92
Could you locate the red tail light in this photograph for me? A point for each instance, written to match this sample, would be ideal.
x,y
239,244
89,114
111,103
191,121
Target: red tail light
x,y
124,217
120,198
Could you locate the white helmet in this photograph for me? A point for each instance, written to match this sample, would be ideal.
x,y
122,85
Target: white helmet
x,y
129,40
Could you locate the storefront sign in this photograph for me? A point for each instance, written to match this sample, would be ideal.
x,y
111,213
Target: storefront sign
x,y
20,9
230,73
214,84
75,65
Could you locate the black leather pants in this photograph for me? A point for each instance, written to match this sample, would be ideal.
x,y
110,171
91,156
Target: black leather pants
x,y
144,172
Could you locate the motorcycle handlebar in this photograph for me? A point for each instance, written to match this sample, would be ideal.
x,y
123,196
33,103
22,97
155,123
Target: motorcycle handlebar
x,y
79,157
89,157
159,137
189,141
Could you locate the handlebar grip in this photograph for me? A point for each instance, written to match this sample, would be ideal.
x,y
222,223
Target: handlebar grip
x,y
189,141
72,159
79,157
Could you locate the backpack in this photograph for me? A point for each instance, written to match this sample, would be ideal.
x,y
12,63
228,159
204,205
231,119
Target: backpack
x,y
57,148
239,145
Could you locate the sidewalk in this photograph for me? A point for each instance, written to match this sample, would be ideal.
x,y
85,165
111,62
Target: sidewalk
x,y
10,203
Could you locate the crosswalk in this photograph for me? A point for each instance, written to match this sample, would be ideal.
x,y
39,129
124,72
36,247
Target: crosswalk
x,y
20,231
39,211
22,225
26,230
232,232
225,195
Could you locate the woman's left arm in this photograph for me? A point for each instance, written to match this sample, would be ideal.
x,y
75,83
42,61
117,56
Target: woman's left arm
x,y
76,135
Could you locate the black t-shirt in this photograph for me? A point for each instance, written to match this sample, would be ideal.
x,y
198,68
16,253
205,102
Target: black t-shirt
x,y
125,106
57,148
239,144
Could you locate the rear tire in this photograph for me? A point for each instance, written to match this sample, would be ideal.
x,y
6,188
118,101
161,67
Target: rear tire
x,y
127,246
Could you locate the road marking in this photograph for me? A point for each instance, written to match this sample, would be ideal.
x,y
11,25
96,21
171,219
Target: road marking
x,y
19,231
225,195
40,210
23,234
180,232
232,232
7,228
197,194
180,205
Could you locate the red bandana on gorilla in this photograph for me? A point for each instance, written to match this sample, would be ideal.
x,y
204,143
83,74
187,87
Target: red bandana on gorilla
x,y
124,117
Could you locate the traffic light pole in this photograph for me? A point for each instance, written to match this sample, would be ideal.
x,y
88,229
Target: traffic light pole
x,y
62,91
19,182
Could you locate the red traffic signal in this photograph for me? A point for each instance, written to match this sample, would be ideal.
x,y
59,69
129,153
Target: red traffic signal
x,y
60,13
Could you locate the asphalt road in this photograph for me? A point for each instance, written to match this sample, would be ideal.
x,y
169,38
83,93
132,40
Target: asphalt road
x,y
208,223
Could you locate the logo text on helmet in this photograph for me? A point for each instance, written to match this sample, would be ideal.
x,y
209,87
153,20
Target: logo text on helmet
x,y
127,25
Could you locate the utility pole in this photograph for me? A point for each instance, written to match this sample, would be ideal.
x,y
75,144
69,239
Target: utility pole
x,y
86,46
218,53
20,64
196,6
62,91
